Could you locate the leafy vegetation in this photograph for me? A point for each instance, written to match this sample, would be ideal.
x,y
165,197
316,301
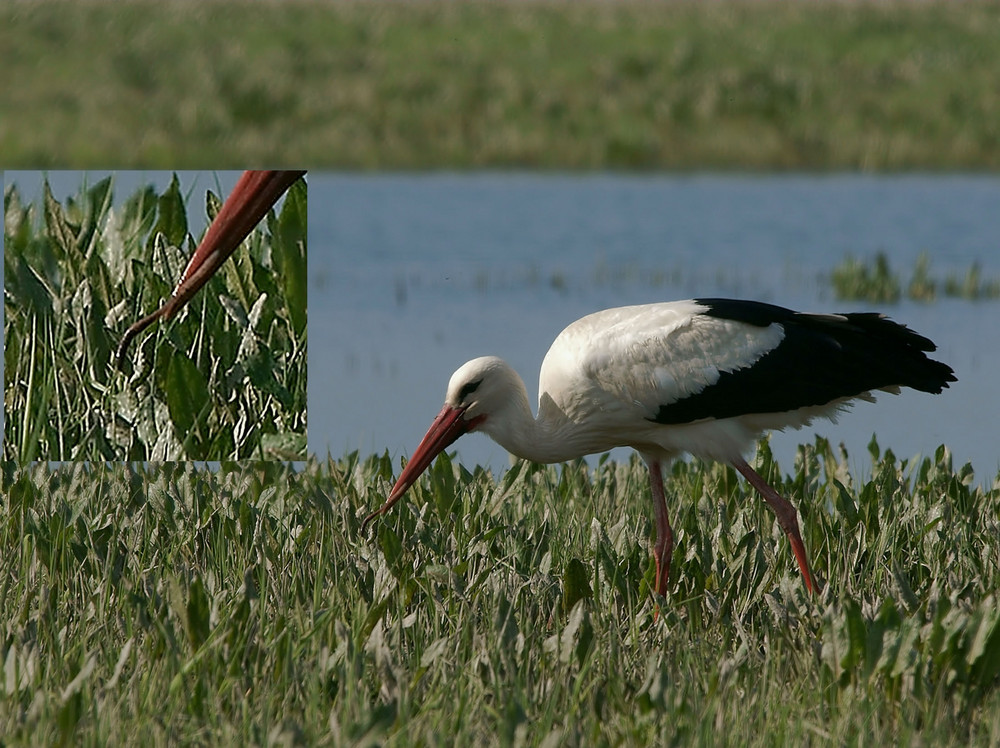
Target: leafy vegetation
x,y
582,85
225,379
860,280
170,604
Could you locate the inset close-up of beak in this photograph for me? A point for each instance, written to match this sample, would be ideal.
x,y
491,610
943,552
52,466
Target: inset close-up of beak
x,y
226,379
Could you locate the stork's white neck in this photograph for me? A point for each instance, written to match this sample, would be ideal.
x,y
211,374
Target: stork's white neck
x,y
551,437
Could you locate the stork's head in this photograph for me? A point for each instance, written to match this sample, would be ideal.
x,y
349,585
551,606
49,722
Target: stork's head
x,y
478,389
481,387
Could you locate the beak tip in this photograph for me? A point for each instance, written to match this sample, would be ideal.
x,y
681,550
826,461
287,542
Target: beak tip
x,y
367,521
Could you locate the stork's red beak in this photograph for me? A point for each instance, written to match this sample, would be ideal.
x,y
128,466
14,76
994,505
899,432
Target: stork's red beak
x,y
446,428
247,204
254,194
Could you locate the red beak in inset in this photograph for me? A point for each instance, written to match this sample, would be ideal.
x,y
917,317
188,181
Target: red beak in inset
x,y
254,194
446,428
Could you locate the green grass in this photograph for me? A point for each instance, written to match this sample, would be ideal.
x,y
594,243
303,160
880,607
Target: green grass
x,y
874,280
170,605
226,379
589,85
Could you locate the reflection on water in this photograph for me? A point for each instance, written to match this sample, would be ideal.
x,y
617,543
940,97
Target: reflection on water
x,y
413,275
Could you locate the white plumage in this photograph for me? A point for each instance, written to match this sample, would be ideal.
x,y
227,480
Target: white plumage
x,y
704,376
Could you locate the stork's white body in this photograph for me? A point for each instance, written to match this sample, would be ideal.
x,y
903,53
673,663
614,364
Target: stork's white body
x,y
607,375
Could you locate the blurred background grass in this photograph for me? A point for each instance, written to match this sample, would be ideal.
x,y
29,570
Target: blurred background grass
x,y
593,85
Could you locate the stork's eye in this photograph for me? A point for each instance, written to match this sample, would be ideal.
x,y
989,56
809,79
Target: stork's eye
x,y
468,389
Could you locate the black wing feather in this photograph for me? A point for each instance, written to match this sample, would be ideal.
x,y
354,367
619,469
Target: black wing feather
x,y
822,358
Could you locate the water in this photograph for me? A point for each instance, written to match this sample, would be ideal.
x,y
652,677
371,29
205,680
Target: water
x,y
412,275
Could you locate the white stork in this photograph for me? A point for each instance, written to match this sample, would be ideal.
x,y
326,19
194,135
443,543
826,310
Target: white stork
x,y
704,376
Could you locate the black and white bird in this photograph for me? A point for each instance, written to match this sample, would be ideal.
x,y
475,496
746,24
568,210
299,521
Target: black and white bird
x,y
704,376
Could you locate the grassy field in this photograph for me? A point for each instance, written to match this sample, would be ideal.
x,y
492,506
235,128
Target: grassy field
x,y
226,379
555,85
168,605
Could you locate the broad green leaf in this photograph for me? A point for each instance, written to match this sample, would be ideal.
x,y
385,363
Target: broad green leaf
x,y
198,613
186,391
213,204
29,290
256,312
97,205
433,651
290,255
856,635
104,294
235,311
16,223
171,218
576,583
138,218
238,272
984,652
845,502
392,548
168,265
61,235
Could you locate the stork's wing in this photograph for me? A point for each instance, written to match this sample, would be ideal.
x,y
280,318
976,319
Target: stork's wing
x,y
716,358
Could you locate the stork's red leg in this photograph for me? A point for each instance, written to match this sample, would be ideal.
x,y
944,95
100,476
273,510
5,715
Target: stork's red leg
x,y
664,545
786,514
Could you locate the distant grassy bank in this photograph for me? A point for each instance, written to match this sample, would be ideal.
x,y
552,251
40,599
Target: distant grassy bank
x,y
635,85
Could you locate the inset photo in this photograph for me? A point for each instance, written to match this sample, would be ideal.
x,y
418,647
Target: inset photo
x,y
155,315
